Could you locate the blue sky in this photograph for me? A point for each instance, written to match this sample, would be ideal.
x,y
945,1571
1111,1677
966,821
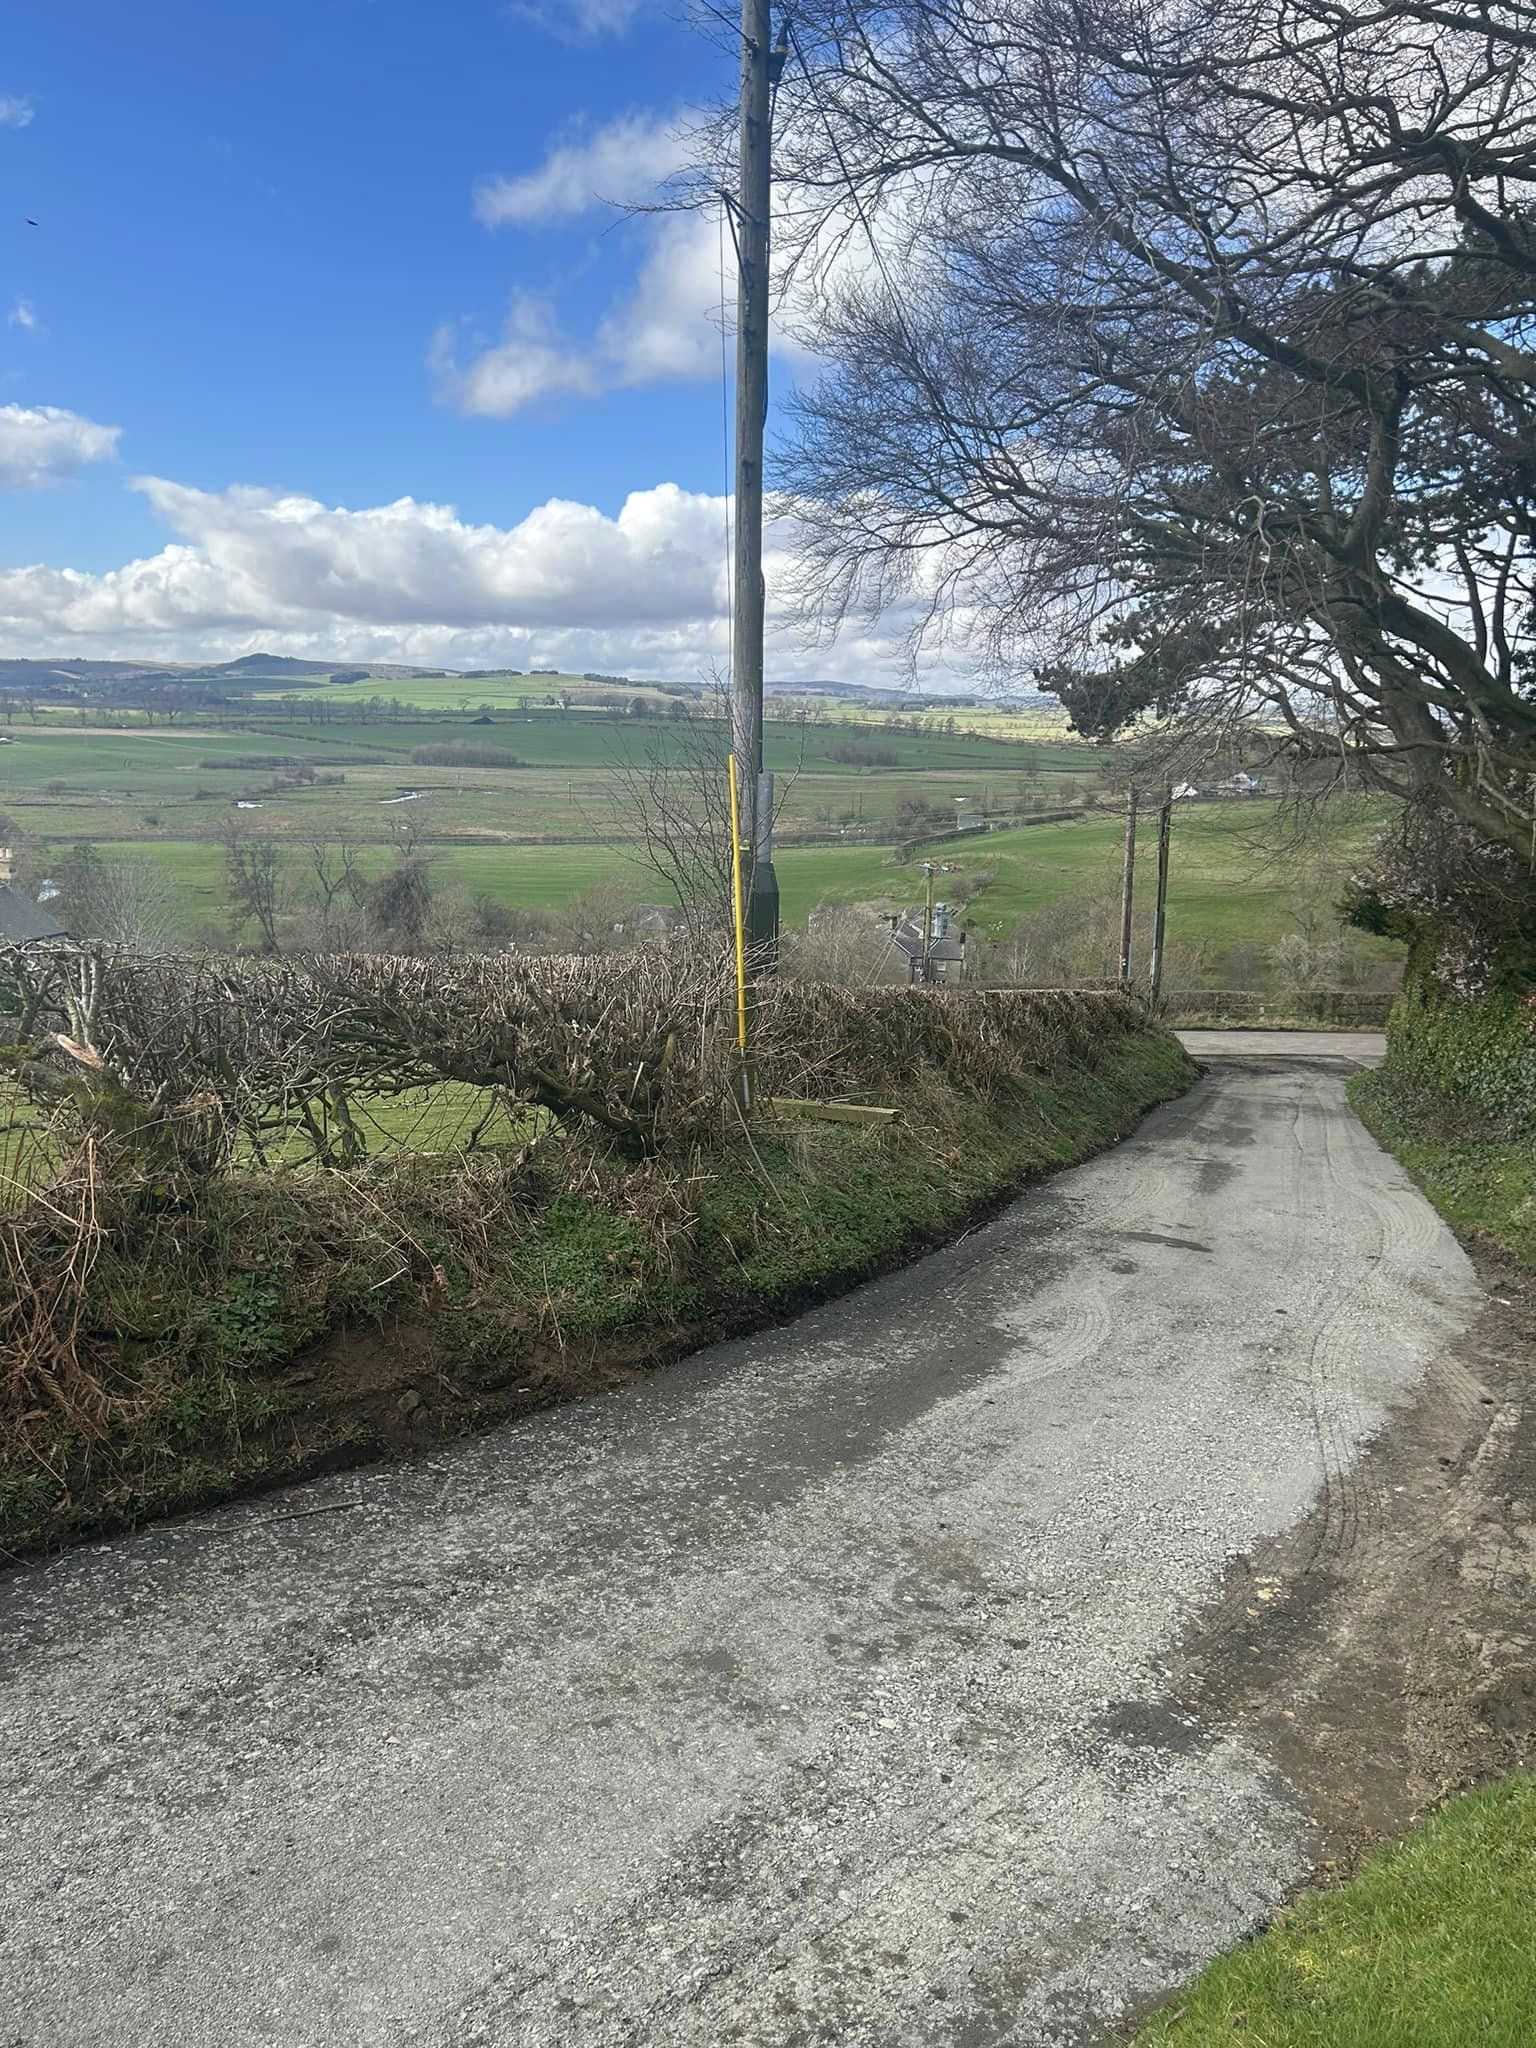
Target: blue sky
x,y
312,258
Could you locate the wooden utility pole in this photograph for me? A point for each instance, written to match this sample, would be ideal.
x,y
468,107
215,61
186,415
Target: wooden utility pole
x,y
1127,884
1160,918
750,215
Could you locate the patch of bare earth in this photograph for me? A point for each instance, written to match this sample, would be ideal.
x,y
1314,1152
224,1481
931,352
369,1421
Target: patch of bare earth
x,y
1384,1652
392,1389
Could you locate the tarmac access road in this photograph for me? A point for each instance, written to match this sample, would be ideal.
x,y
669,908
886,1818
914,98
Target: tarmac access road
x,y
821,1688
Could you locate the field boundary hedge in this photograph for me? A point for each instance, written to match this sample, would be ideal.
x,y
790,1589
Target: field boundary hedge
x,y
176,1064
168,1332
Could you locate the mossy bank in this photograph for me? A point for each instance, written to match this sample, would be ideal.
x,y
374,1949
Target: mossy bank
x,y
292,1323
1455,1099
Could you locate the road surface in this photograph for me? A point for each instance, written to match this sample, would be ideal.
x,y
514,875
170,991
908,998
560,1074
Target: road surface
x,y
820,1689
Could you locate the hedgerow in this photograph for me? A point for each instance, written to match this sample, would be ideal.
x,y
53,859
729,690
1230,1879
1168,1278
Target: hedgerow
x,y
193,1188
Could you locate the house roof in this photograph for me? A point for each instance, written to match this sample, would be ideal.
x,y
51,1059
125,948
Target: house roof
x,y
908,935
22,920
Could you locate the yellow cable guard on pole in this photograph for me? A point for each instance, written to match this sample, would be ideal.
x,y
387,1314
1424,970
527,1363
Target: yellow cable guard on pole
x,y
738,915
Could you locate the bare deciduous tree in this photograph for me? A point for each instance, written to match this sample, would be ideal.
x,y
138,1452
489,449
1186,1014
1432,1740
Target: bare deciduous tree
x,y
116,900
254,875
333,862
1188,356
673,816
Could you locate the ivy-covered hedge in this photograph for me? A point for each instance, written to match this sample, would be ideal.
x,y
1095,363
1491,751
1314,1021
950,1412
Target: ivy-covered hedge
x,y
1480,1050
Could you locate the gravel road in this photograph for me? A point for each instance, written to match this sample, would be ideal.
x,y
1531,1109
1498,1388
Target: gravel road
x,y
818,1689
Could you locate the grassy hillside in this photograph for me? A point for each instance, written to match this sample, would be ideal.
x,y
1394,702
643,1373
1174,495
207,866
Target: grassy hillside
x,y
129,780
1222,886
165,795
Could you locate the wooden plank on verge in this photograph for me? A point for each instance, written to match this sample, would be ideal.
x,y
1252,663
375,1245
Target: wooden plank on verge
x,y
835,1112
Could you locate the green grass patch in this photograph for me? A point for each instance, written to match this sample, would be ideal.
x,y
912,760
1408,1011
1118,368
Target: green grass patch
x,y
1481,1179
1430,1946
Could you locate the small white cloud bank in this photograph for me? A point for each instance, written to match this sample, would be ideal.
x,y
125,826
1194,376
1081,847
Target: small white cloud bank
x,y
625,162
530,361
578,21
665,324
24,315
15,112
44,444
643,591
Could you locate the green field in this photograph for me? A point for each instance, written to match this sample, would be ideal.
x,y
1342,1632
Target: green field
x,y
1223,888
65,781
534,836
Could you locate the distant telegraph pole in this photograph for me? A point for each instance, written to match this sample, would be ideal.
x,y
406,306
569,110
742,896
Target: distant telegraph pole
x,y
760,68
1127,886
1160,918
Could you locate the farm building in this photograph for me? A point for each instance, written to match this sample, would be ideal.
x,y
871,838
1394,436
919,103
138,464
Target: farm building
x,y
23,922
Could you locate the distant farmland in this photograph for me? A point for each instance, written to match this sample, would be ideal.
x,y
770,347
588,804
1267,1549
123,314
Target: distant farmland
x,y
332,762
156,783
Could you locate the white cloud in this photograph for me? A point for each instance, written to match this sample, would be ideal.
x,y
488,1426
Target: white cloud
x,y
579,21
529,361
626,162
669,323
42,444
15,113
642,592
665,323
24,314
267,562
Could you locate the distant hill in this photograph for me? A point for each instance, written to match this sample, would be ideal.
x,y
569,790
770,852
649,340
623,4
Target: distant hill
x,y
878,695
777,686
317,665
59,669
272,665
42,670
883,696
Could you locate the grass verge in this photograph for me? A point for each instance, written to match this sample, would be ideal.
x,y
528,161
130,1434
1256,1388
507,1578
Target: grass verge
x,y
1481,1178
1428,1947
292,1323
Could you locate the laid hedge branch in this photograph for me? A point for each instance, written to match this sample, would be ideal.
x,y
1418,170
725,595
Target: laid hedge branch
x,y
174,1064
141,1100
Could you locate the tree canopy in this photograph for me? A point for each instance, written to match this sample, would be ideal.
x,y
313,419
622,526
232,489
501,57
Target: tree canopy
x,y
1185,355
